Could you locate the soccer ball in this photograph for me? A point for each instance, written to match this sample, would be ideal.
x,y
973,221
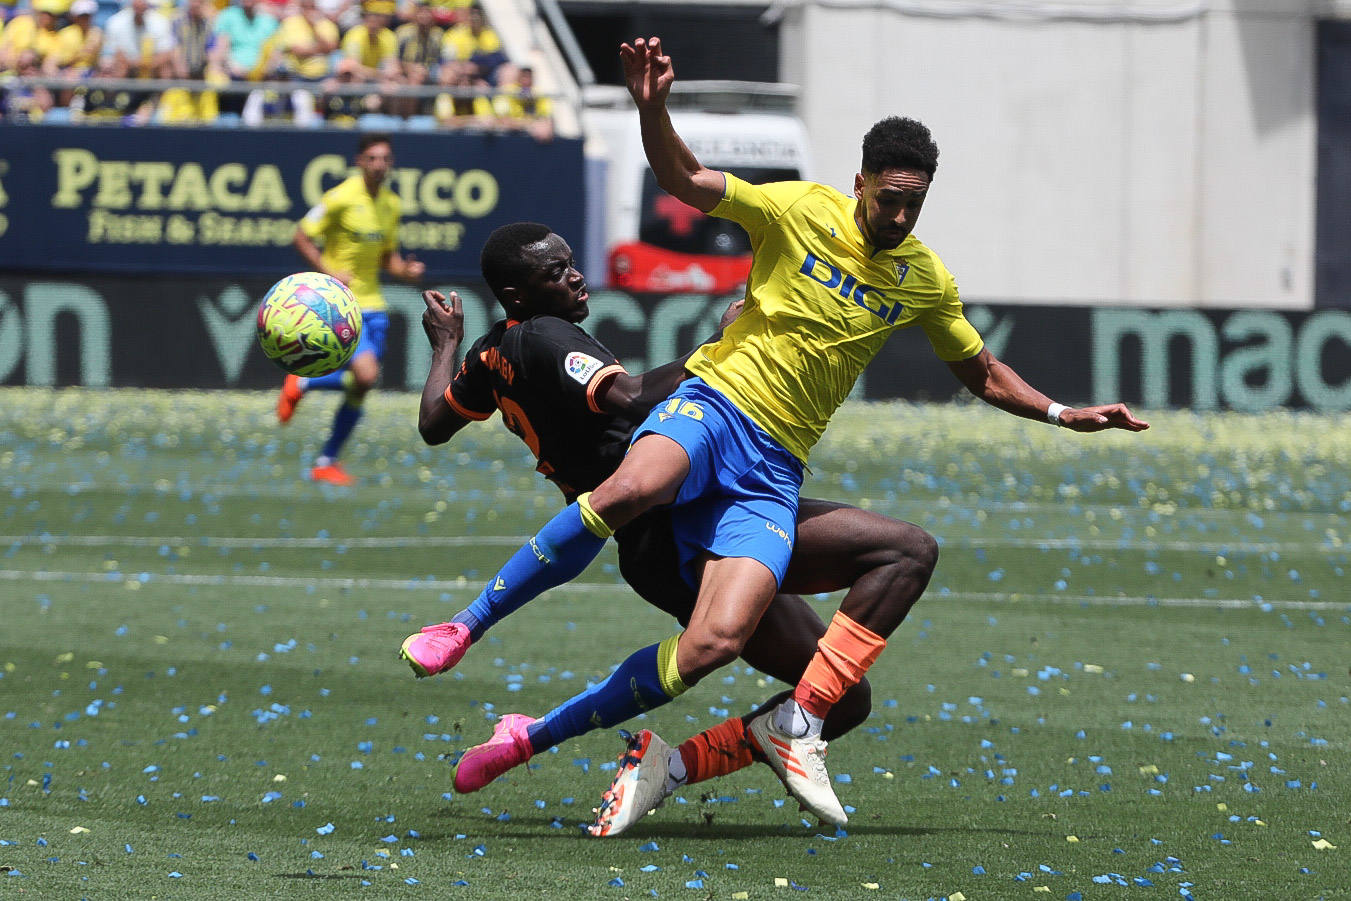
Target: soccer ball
x,y
309,324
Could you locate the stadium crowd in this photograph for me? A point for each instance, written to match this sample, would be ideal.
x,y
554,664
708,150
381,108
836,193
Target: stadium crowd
x,y
385,63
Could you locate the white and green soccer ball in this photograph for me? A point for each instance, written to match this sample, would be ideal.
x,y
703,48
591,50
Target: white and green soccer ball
x,y
309,324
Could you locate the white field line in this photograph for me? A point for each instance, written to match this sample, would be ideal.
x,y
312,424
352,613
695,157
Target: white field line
x,y
451,541
392,541
120,578
916,505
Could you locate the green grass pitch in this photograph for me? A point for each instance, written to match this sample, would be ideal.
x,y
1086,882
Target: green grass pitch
x,y
1129,678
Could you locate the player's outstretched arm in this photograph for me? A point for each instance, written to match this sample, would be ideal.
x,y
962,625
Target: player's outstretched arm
x,y
444,324
648,74
998,385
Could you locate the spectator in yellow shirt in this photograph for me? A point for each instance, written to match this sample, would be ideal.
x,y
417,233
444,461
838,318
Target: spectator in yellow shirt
x,y
301,51
33,31
420,42
307,39
370,50
466,104
78,44
77,48
474,44
370,55
518,108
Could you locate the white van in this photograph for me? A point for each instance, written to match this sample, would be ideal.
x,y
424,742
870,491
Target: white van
x,y
652,241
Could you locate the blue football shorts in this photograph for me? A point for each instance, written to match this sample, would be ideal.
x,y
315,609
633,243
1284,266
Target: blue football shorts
x,y
740,497
374,327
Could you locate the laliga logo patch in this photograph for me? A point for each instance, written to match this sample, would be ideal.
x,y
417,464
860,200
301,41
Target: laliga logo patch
x,y
581,366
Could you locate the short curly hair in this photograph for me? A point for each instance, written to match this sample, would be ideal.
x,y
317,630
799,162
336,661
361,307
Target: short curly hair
x,y
899,143
503,260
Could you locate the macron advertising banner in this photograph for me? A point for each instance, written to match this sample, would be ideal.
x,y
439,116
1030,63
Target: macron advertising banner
x,y
121,331
226,201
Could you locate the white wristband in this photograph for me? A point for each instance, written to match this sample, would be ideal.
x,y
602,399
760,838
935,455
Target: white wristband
x,y
1053,413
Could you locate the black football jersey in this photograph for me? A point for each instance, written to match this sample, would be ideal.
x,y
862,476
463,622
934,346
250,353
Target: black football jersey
x,y
543,374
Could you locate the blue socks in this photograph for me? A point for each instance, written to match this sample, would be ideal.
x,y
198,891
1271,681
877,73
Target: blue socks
x,y
563,548
344,421
646,680
334,381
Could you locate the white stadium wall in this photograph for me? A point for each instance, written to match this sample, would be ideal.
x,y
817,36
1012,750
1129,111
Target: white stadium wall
x,y
1158,153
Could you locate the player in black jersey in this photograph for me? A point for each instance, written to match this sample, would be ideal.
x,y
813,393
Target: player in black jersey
x,y
575,406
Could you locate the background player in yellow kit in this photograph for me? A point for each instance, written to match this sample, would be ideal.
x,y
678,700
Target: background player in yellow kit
x,y
357,223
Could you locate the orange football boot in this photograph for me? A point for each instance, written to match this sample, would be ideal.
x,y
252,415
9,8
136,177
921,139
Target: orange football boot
x,y
333,474
290,396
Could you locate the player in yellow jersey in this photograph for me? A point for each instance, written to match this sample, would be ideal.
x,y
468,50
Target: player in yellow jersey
x,y
357,222
833,275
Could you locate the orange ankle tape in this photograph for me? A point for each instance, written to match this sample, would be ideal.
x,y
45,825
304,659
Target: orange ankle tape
x,y
716,752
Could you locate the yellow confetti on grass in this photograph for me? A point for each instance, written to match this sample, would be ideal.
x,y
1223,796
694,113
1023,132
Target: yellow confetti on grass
x,y
780,882
66,657
1072,839
870,886
1042,888
78,830
956,896
740,896
1323,844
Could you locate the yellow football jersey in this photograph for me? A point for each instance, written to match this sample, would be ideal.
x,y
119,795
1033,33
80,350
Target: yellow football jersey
x,y
298,31
356,44
820,303
357,231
